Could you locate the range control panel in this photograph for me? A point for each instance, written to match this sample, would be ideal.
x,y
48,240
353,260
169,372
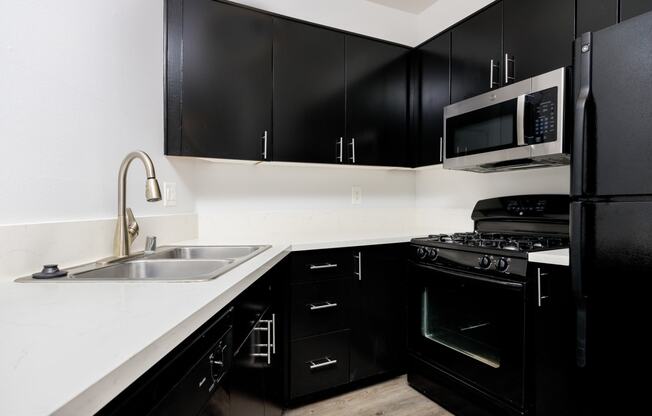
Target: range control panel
x,y
541,116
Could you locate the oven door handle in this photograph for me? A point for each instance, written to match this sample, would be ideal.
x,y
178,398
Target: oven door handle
x,y
469,276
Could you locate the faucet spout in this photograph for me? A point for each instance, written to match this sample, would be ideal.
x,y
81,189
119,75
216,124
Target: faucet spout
x,y
126,228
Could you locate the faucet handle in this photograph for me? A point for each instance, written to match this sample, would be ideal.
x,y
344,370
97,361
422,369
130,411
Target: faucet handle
x,y
150,244
132,225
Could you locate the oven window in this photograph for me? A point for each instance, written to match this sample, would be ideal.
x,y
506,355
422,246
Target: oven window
x,y
456,319
486,129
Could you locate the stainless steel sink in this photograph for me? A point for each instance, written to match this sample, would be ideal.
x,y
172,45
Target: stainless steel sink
x,y
168,264
158,270
206,253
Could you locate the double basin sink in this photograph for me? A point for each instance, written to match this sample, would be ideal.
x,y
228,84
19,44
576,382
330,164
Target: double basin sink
x,y
168,264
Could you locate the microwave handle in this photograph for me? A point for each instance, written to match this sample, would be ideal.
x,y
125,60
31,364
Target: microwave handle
x,y
520,120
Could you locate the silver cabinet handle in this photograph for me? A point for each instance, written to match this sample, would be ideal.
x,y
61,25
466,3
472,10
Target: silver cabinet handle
x,y
540,297
273,333
352,157
441,149
492,67
265,145
507,61
323,266
340,145
314,364
359,258
268,345
322,305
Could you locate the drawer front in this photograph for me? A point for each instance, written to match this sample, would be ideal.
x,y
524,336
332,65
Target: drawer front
x,y
322,265
319,307
319,363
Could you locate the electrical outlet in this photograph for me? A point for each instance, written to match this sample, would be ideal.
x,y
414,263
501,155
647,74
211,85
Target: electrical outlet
x,y
169,194
356,195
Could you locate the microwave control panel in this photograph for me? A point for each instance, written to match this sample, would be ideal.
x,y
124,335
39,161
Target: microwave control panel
x,y
541,116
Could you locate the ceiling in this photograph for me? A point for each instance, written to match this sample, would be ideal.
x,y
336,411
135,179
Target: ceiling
x,y
410,6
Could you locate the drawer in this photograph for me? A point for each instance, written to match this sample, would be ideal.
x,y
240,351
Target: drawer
x,y
319,307
319,363
322,265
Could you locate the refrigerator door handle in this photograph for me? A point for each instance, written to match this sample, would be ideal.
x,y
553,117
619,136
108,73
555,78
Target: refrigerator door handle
x,y
576,263
579,165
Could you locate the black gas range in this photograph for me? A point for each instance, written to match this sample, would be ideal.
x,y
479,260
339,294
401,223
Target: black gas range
x,y
476,305
507,229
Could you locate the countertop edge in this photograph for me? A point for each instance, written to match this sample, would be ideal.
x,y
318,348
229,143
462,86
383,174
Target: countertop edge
x,y
555,257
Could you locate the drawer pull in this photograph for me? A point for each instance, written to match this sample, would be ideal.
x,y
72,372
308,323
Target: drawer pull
x,y
323,266
322,305
320,364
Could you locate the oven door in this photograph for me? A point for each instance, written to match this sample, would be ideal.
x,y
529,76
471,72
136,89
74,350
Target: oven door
x,y
470,326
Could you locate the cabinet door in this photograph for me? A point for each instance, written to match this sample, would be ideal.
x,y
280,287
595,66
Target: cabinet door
x,y
538,37
476,44
594,15
226,101
376,102
434,95
309,89
378,313
631,8
247,378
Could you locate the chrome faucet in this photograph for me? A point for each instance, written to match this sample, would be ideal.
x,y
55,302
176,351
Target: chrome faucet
x,y
126,229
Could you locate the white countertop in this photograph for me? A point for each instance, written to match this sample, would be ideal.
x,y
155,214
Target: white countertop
x,y
69,348
558,257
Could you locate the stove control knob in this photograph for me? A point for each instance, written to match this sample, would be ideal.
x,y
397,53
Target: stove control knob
x,y
433,253
502,265
422,253
485,262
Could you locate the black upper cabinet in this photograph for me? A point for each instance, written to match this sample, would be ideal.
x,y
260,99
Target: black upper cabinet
x,y
379,311
538,37
309,92
631,8
376,102
225,106
476,45
434,75
594,15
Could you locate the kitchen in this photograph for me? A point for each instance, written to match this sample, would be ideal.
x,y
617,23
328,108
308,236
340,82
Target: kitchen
x,y
325,163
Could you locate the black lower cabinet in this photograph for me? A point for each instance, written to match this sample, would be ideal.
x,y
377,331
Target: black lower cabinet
x,y
378,312
631,8
319,363
346,322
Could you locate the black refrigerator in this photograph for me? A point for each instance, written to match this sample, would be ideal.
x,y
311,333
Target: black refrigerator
x,y
611,218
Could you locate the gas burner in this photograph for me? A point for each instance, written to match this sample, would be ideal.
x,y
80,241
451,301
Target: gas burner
x,y
521,243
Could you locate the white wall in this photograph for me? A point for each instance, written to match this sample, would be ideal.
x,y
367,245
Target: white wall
x,y
358,16
445,198
82,85
280,202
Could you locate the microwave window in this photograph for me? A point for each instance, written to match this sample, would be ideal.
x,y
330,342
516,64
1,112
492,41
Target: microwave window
x,y
486,129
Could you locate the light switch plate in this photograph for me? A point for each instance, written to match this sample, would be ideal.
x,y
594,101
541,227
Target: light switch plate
x,y
356,195
169,194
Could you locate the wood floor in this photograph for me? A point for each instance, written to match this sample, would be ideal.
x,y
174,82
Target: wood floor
x,y
392,398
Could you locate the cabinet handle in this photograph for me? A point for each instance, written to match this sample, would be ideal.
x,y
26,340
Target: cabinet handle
x,y
507,61
540,297
265,145
273,333
352,157
359,258
269,344
441,149
322,305
323,266
340,145
314,364
492,67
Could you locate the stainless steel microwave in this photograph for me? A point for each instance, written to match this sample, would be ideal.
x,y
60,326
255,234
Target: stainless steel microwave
x,y
518,126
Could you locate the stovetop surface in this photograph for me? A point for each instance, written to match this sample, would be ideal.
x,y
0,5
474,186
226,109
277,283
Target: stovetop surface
x,y
523,243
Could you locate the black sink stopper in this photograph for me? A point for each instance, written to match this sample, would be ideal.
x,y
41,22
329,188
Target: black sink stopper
x,y
50,271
